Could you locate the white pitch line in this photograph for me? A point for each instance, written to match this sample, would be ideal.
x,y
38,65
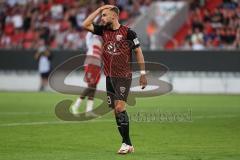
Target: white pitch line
x,y
107,120
24,113
30,123
50,122
41,113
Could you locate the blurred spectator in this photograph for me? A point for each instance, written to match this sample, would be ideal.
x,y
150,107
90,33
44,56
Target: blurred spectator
x,y
24,22
17,38
58,22
5,41
216,28
122,3
57,11
197,36
197,24
216,18
72,39
151,32
135,10
186,46
123,16
80,16
198,45
17,20
144,5
29,39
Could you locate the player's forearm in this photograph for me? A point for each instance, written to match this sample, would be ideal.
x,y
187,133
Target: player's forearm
x,y
140,59
89,20
88,23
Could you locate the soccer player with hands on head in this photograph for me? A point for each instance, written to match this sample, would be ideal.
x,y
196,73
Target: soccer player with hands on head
x,y
119,41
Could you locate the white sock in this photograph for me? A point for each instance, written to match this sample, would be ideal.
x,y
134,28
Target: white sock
x,y
89,105
77,103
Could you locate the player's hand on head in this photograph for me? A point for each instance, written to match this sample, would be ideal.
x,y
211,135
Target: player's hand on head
x,y
106,7
143,81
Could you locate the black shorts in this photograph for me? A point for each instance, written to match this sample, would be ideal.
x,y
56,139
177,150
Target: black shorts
x,y
45,75
118,88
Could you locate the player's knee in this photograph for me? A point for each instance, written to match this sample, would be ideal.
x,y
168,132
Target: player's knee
x,y
119,107
90,91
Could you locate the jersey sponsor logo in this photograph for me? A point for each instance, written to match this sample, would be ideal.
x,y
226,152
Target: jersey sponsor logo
x,y
119,37
112,49
136,41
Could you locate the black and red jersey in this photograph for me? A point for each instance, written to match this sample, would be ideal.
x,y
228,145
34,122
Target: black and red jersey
x,y
117,50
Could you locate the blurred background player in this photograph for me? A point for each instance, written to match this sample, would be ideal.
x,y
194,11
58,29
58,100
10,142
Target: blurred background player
x,y
92,72
44,58
92,68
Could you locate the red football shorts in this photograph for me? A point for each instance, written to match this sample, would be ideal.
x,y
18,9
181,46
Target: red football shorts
x,y
92,74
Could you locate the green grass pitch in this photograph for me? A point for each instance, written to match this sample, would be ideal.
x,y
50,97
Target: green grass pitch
x,y
29,130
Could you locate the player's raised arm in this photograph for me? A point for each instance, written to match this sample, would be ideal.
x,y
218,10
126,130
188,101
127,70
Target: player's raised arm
x,y
88,22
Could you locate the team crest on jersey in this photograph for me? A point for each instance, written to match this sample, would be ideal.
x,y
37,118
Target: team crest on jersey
x,y
119,37
122,89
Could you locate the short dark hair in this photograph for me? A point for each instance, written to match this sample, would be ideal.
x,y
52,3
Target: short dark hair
x,y
116,10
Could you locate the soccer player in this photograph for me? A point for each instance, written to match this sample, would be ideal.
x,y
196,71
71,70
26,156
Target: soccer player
x,y
44,58
118,43
92,68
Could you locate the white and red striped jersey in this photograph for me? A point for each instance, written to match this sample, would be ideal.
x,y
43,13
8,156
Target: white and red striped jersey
x,y
94,45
